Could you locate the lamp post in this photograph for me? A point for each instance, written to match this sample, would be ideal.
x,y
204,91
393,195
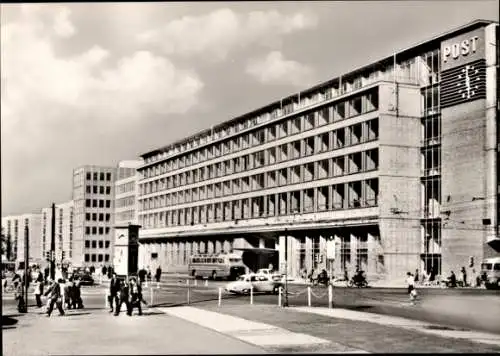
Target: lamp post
x,y
53,244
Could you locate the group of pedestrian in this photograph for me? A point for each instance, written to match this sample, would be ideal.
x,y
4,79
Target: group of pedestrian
x,y
128,292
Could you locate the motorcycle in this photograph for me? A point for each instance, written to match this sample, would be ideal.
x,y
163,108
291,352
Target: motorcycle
x,y
359,282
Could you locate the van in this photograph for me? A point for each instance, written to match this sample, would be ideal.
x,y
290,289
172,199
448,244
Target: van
x,y
490,272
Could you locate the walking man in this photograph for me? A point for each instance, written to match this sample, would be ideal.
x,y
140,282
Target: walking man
x,y
158,274
135,296
55,297
114,290
39,289
412,292
124,297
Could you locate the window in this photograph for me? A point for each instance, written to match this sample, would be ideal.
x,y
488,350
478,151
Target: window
x,y
87,230
94,190
107,217
94,203
101,244
101,176
106,258
108,203
108,177
87,259
101,217
106,244
101,190
94,217
107,230
108,190
89,176
94,244
101,203
87,244
101,230
94,230
99,259
87,216
88,189
95,175
93,257
87,203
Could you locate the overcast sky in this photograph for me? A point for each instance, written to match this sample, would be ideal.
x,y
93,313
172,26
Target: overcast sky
x,y
99,83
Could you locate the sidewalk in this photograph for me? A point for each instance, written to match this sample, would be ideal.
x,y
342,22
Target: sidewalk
x,y
85,332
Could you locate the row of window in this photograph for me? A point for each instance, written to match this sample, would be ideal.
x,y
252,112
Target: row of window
x,y
97,216
96,257
125,187
358,162
94,189
97,203
342,110
124,202
356,194
95,243
125,216
344,137
94,230
99,176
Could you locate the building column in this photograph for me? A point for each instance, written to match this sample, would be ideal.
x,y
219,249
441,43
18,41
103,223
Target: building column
x,y
281,253
218,246
322,252
372,256
262,242
168,249
338,271
309,254
162,256
354,246
182,248
226,246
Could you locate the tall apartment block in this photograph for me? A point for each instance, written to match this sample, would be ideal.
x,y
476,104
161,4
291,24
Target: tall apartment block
x,y
93,197
64,233
126,193
396,163
14,228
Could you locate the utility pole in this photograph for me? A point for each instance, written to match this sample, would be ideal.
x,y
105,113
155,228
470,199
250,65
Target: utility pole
x,y
53,244
26,270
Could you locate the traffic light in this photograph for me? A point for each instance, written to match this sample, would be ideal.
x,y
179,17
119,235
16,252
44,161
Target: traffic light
x,y
47,255
471,261
316,257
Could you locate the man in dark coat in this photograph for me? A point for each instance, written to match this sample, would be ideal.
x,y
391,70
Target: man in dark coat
x,y
55,297
124,298
158,274
135,296
114,290
142,275
77,295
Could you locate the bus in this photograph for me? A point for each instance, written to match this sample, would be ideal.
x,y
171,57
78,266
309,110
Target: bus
x,y
224,265
490,270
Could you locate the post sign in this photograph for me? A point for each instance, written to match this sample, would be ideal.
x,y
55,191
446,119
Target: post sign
x,y
463,49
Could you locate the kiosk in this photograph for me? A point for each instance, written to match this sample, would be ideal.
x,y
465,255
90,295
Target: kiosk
x,y
126,250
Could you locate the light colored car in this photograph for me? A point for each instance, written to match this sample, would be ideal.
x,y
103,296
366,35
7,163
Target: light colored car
x,y
275,275
260,283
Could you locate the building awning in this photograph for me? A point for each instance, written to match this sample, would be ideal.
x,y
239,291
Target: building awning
x,y
256,250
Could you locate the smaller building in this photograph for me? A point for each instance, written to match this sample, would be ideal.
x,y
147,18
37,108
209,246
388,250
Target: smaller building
x,y
126,193
14,228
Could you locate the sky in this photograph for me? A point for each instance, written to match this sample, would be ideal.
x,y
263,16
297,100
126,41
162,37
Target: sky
x,y
98,83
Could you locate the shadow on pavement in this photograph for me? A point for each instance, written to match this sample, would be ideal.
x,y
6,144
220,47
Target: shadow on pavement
x,y
75,314
9,322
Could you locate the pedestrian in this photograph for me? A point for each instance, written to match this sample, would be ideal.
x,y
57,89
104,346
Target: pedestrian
x,y
124,298
39,290
410,281
68,294
114,290
452,280
416,276
46,272
55,297
135,290
158,274
19,297
104,270
77,294
142,275
463,273
149,274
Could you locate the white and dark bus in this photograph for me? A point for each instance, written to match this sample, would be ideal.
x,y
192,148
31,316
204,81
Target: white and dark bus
x,y
224,265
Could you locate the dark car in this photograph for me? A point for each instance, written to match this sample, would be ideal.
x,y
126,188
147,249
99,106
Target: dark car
x,y
85,279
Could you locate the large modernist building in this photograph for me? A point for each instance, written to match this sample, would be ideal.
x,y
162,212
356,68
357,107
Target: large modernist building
x,y
393,164
126,193
14,228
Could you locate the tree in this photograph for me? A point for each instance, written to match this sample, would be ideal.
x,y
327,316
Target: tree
x,y
6,246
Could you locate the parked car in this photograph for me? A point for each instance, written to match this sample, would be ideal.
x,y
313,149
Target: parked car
x,y
260,283
85,278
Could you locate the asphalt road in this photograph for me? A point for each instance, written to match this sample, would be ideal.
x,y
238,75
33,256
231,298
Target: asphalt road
x,y
471,309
